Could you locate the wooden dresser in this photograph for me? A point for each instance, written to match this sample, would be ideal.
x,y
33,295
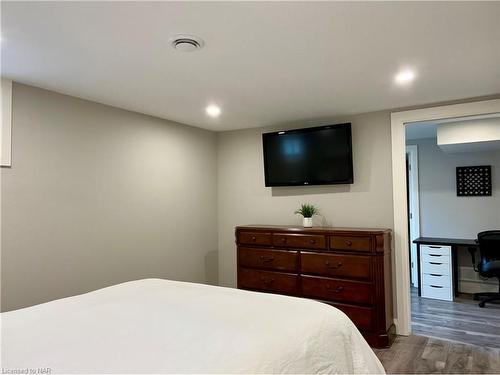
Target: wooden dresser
x,y
348,268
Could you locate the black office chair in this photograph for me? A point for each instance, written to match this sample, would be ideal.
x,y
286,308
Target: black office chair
x,y
489,266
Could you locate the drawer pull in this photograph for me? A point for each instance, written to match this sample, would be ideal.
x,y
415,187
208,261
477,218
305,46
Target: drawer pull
x,y
254,238
435,255
338,265
436,286
266,282
335,290
438,264
348,243
435,274
312,242
266,259
435,247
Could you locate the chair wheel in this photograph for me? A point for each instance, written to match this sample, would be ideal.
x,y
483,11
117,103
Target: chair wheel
x,y
481,304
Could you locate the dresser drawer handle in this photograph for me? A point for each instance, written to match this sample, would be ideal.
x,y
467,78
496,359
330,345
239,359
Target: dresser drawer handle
x,y
348,243
266,282
266,259
436,286
254,238
435,274
435,263
338,265
435,255
436,247
335,290
312,242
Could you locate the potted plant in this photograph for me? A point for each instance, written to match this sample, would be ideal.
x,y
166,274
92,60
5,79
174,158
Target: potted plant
x,y
307,211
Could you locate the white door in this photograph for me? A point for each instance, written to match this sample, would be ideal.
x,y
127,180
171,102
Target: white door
x,y
413,209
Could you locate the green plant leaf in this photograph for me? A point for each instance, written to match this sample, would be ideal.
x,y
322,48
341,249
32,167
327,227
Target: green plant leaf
x,y
307,210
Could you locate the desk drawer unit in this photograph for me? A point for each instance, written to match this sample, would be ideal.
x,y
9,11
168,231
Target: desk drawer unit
x,y
436,272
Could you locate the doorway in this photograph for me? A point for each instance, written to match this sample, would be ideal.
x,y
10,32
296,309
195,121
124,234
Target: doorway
x,y
442,301
401,233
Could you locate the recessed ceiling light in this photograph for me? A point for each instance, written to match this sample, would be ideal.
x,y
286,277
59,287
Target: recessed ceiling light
x,y
404,77
186,43
212,110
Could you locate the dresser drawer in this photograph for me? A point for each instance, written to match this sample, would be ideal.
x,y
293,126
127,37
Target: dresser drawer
x,y
437,292
254,238
350,243
336,290
436,267
307,241
435,250
268,281
280,260
361,316
436,280
340,265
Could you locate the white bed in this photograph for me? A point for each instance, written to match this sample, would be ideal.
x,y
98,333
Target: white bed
x,y
161,326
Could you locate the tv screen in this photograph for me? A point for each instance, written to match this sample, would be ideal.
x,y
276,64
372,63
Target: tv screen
x,y
310,156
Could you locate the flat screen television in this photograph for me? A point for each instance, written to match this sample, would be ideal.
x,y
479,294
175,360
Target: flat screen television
x,y
310,156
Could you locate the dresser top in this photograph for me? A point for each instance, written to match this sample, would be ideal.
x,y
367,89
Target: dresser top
x,y
295,228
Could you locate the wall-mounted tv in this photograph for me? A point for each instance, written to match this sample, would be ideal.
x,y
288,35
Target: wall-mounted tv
x,y
310,156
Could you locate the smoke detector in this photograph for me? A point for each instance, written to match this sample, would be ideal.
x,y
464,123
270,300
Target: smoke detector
x,y
186,43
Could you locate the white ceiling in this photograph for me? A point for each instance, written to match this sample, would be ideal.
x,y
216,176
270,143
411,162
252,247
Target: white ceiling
x,y
264,62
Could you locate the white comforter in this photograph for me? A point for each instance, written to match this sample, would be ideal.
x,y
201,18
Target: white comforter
x,y
160,326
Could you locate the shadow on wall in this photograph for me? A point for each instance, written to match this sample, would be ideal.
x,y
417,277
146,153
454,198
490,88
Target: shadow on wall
x,y
212,267
288,191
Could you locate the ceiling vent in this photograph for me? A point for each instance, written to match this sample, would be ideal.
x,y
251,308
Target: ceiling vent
x,y
186,43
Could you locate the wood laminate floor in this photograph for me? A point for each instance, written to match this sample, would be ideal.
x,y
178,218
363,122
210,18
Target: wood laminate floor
x,y
448,337
461,320
426,355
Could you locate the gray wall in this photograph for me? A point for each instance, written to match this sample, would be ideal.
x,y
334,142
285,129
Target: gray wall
x,y
442,213
98,196
243,198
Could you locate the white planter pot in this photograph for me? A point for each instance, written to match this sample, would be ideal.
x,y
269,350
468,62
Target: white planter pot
x,y
307,222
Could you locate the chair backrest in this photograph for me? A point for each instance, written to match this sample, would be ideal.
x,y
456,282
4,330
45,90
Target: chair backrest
x,y
489,245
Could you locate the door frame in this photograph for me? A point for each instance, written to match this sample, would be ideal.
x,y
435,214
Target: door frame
x,y
401,255
413,189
